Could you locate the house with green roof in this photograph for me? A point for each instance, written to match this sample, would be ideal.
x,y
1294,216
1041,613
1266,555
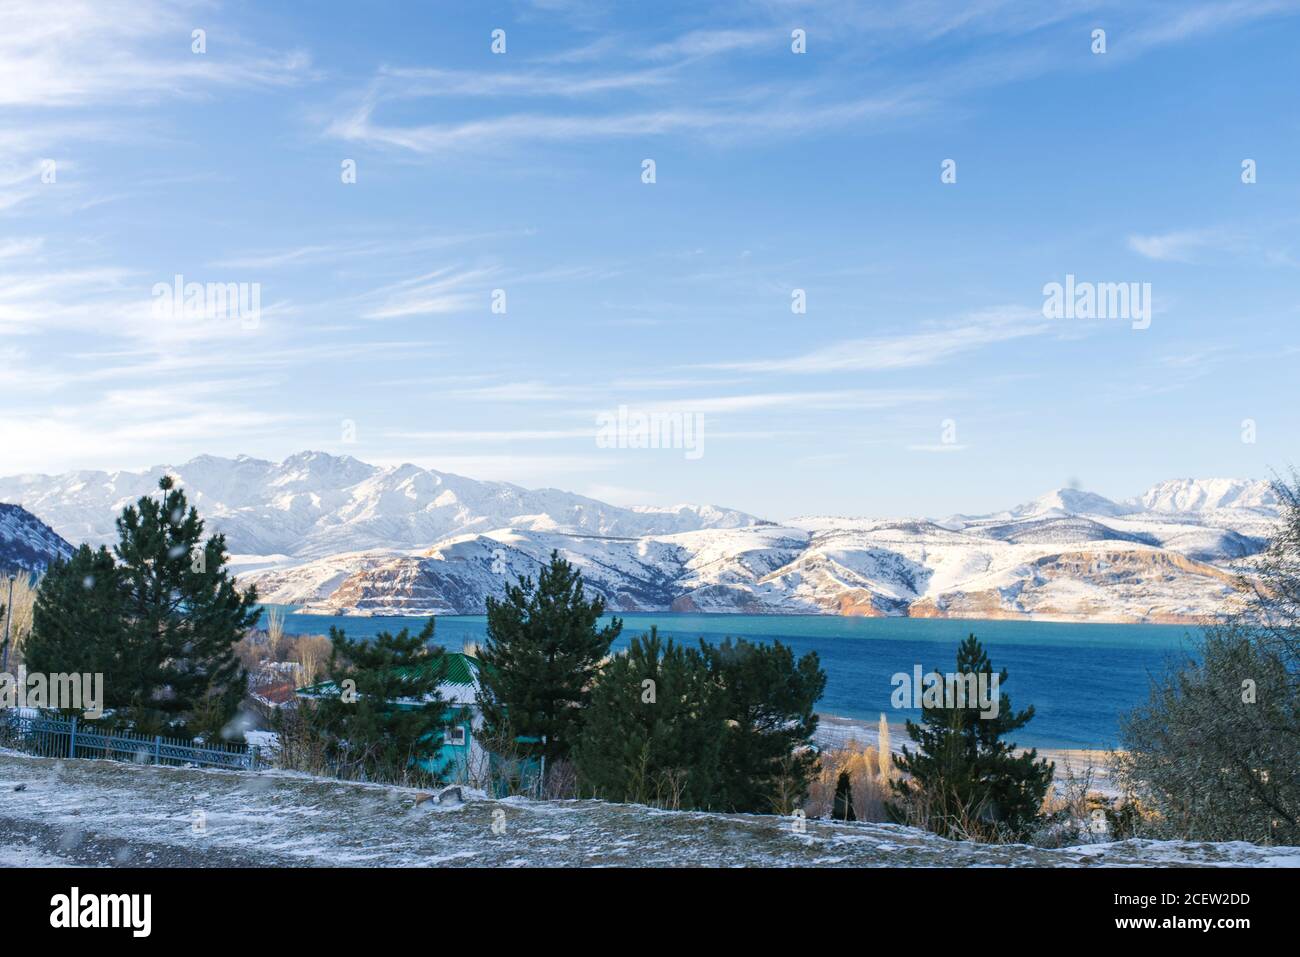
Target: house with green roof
x,y
462,759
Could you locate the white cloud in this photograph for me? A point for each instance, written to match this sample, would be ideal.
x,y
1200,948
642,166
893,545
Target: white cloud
x,y
695,94
837,399
92,51
494,436
904,351
441,291
1177,246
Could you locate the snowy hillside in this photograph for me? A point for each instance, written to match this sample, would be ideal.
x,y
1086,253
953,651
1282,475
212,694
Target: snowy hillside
x,y
26,542
1196,495
1137,566
340,536
314,504
97,813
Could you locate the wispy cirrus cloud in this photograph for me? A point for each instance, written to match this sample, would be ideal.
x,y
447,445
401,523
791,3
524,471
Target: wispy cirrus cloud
x,y
132,427
312,254
92,51
442,291
909,350
694,90
826,400
414,83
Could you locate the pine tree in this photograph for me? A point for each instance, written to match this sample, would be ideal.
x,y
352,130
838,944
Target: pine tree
x,y
540,659
651,734
79,625
843,807
184,613
386,721
963,779
767,702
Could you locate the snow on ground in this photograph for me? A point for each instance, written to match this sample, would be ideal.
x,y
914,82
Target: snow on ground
x,y
23,855
100,812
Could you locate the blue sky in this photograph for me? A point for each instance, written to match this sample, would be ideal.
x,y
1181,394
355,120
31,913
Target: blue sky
x,y
775,171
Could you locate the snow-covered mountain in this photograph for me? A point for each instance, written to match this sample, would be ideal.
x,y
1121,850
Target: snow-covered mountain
x,y
314,504
337,535
27,543
1199,495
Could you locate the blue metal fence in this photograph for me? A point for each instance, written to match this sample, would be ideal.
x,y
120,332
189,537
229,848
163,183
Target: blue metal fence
x,y
51,737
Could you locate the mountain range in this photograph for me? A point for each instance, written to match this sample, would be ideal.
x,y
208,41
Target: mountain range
x,y
337,535
26,543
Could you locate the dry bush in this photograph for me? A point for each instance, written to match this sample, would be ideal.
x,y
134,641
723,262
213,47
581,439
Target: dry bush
x,y
1079,813
301,745
502,768
561,781
789,790
18,618
312,652
870,790
1067,810
922,810
251,651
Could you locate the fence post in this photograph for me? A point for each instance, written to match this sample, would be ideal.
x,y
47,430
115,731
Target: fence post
x,y
72,740
157,749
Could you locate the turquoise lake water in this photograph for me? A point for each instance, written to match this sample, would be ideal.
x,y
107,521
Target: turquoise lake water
x,y
1079,677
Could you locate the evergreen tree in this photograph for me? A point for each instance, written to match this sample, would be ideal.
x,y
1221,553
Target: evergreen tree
x,y
78,625
963,779
843,807
386,721
651,734
766,701
184,613
540,658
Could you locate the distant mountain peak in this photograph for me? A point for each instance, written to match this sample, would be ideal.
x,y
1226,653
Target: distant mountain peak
x,y
344,535
1071,501
316,503
1194,495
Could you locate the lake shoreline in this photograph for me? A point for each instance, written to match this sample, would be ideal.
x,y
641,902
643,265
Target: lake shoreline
x,y
1170,621
1093,765
1079,677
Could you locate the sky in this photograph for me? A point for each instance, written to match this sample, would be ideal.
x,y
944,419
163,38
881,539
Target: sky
x,y
457,256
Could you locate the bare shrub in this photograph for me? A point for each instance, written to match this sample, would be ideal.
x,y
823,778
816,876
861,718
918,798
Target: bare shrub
x,y
302,746
251,650
312,652
19,617
503,768
1213,750
1076,812
561,781
946,813
870,790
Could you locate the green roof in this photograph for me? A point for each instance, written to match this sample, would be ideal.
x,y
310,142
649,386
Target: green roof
x,y
461,669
